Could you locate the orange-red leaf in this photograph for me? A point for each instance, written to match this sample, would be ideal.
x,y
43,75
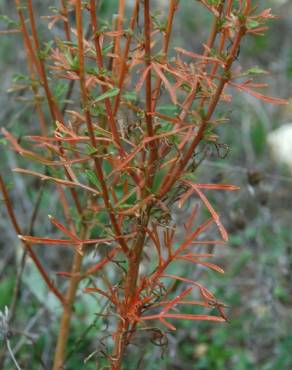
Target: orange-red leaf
x,y
265,98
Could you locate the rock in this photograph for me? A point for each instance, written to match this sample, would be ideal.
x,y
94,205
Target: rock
x,y
280,145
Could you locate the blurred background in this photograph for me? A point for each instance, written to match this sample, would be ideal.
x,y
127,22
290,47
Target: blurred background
x,y
257,285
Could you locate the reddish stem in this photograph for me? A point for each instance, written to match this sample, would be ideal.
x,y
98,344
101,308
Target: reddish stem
x,y
84,95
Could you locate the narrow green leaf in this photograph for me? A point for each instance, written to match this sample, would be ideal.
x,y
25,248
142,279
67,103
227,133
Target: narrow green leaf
x,y
109,94
92,178
254,71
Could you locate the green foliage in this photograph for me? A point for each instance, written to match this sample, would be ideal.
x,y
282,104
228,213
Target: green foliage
x,y
108,94
222,347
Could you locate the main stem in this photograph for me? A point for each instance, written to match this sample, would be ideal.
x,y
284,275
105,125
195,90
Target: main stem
x,y
119,346
121,343
135,255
